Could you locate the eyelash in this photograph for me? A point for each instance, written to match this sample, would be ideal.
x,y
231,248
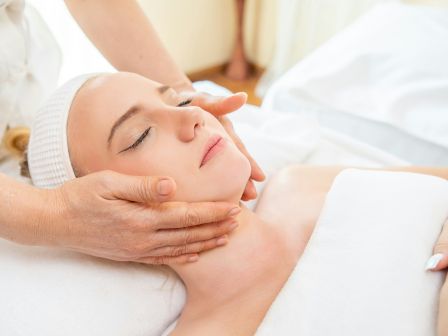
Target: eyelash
x,y
185,102
138,141
145,133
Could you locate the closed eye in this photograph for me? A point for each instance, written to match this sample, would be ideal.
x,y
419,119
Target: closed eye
x,y
185,102
138,141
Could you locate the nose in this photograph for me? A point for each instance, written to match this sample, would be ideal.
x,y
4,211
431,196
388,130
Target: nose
x,y
190,120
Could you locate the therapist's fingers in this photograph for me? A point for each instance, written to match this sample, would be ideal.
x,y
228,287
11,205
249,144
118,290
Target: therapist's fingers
x,y
200,233
439,260
250,192
216,105
256,172
163,260
140,189
178,215
194,248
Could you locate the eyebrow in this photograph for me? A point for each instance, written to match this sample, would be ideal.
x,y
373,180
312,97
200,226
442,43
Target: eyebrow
x,y
163,88
129,113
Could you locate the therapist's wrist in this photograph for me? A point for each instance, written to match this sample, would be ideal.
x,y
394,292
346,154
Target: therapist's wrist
x,y
42,218
31,217
52,219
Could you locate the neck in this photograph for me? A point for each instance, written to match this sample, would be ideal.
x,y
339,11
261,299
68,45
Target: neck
x,y
224,273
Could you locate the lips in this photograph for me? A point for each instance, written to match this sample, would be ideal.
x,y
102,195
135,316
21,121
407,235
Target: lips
x,y
213,146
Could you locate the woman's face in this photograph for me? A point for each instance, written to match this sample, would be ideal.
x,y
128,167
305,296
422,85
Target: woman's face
x,y
130,124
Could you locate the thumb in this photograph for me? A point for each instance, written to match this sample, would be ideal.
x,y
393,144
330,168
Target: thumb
x,y
219,106
141,189
439,260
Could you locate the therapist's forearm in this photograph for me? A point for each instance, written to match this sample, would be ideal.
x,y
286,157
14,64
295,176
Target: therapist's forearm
x,y
123,34
23,213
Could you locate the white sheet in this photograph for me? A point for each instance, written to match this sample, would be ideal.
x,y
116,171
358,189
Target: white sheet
x,y
383,81
363,271
46,292
49,292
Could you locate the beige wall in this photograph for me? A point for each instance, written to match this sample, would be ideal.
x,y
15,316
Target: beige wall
x,y
435,3
201,33
198,33
260,27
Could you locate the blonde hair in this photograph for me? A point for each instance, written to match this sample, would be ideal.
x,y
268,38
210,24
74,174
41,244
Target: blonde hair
x,y
15,143
15,140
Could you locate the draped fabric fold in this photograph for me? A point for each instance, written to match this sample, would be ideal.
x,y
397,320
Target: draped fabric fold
x,y
303,25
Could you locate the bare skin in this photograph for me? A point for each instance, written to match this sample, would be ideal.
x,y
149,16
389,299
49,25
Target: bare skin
x,y
230,297
229,289
76,215
127,39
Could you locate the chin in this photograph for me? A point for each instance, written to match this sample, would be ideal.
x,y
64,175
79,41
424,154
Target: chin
x,y
231,179
225,182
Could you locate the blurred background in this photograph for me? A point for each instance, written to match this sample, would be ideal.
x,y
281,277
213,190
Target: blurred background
x,y
202,36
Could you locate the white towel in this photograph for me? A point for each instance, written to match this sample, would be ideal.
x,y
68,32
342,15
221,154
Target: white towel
x,y
363,271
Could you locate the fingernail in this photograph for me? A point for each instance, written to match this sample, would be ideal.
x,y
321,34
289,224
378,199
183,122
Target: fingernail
x,y
164,187
234,211
434,261
241,93
193,258
222,241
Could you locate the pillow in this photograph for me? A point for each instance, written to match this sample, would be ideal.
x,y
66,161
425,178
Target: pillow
x,y
48,292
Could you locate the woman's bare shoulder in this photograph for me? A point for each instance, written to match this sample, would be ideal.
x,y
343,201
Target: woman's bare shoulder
x,y
296,194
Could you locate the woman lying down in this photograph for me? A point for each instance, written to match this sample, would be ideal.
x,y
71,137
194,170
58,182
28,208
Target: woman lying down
x,y
129,124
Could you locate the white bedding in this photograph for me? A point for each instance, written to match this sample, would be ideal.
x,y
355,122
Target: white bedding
x,y
49,292
383,81
363,271
57,292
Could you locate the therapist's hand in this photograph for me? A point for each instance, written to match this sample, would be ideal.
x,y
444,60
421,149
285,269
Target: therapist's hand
x,y
219,107
439,261
121,217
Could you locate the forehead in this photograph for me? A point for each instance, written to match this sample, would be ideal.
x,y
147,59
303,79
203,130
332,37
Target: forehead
x,y
109,96
118,86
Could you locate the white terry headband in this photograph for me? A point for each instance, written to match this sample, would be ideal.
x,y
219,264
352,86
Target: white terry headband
x,y
48,157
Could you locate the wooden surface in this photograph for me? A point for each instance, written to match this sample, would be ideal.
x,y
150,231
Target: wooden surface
x,y
216,74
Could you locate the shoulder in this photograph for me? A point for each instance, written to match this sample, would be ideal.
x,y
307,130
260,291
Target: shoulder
x,y
296,194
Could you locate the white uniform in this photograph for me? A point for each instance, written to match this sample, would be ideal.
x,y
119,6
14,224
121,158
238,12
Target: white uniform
x,y
29,66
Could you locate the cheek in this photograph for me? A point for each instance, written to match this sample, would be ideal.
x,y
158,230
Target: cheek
x,y
168,160
228,178
224,180
87,154
154,163
213,123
